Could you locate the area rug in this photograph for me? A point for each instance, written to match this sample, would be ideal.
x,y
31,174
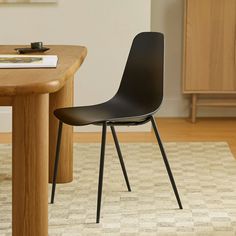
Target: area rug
x,y
205,175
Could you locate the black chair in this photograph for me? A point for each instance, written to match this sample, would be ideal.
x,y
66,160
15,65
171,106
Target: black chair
x,y
138,98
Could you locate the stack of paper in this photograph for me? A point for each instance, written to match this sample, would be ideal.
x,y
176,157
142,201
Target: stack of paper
x,y
28,61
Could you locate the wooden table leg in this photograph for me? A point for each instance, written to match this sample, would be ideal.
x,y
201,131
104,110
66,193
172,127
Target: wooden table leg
x,y
30,166
194,108
62,98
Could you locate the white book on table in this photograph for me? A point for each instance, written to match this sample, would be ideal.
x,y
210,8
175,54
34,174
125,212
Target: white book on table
x,y
27,61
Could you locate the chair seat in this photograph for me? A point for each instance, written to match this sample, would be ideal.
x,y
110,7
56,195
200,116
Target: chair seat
x,y
116,110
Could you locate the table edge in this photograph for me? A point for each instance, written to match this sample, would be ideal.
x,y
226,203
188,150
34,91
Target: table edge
x,y
41,88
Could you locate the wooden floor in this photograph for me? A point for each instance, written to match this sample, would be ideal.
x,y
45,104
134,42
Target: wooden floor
x,y
171,129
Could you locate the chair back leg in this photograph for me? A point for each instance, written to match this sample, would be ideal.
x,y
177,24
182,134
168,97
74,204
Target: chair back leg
x,y
56,162
120,157
101,168
166,162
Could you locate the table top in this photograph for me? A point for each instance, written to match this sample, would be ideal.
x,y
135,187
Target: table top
x,y
42,80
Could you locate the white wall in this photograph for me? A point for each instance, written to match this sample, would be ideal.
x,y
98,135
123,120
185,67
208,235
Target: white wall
x,y
167,17
106,27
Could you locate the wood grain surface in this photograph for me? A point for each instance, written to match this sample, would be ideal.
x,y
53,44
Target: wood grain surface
x,y
62,98
30,166
209,46
32,81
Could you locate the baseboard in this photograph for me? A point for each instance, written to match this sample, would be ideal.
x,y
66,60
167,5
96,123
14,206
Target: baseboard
x,y
180,107
6,125
92,128
171,107
5,119
174,107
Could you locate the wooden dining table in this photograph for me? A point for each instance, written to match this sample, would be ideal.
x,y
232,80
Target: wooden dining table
x,y
33,95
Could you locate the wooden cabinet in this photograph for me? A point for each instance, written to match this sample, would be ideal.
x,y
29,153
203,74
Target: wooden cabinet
x,y
209,51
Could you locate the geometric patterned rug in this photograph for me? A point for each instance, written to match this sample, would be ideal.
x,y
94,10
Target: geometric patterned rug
x,y
205,174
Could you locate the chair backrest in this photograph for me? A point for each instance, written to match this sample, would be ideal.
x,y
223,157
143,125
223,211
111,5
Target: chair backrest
x,y
142,80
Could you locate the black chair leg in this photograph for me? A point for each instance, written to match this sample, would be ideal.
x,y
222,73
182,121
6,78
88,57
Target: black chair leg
x,y
166,162
120,157
100,180
56,162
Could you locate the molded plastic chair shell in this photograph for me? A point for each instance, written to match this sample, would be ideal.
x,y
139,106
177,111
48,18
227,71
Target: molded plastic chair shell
x,y
140,93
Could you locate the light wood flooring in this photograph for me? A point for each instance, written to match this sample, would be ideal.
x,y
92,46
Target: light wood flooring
x,y
171,129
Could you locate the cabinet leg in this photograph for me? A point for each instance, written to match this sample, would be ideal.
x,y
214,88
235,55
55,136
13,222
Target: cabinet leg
x,y
194,108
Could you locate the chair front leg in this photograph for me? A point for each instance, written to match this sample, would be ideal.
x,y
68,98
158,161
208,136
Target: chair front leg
x,y
56,162
120,157
166,162
100,180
